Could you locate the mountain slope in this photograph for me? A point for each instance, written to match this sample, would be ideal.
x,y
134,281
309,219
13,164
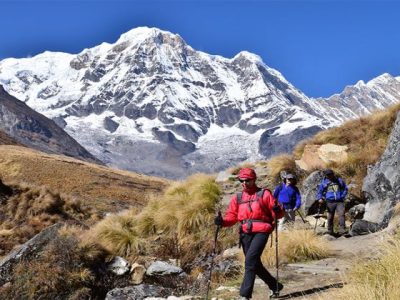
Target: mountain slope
x,y
34,130
5,139
101,188
151,103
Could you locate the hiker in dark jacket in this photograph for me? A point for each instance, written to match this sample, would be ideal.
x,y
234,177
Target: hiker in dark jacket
x,y
333,190
256,210
288,194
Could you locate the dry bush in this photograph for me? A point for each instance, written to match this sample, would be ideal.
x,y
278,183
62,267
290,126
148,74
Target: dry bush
x,y
376,279
283,162
31,209
61,270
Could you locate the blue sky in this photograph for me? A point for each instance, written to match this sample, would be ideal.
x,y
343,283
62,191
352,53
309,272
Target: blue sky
x,y
320,46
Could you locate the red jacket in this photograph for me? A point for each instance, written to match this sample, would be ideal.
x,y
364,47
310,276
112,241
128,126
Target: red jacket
x,y
260,210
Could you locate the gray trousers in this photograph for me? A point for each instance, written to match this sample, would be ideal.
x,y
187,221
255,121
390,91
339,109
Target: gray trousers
x,y
288,218
337,207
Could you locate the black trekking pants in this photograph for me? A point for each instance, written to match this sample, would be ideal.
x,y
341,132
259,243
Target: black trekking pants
x,y
333,207
253,246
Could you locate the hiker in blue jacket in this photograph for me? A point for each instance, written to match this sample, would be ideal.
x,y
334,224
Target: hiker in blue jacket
x,y
288,194
333,190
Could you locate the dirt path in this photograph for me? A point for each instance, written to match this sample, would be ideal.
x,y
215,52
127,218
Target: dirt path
x,y
318,279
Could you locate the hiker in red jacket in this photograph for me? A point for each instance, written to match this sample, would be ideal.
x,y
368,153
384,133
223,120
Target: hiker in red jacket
x,y
256,210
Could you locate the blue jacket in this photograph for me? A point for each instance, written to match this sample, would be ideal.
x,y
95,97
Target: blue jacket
x,y
332,191
288,195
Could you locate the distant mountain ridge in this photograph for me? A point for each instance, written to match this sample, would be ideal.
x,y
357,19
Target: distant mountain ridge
x,y
22,125
150,103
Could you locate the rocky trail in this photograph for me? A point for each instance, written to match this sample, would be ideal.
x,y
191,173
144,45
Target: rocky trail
x,y
320,278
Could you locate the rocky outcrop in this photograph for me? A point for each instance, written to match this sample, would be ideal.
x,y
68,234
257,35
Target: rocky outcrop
x,y
309,192
381,186
361,227
36,131
27,250
271,144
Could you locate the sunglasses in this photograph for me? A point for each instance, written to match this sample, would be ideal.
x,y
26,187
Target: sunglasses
x,y
245,180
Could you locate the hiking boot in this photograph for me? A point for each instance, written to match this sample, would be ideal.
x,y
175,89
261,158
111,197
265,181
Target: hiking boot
x,y
275,294
342,231
244,298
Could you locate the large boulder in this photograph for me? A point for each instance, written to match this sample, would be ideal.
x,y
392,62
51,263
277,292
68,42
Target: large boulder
x,y
309,192
381,186
26,251
331,153
162,268
315,156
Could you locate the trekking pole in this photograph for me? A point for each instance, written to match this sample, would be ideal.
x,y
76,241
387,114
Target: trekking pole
x,y
317,216
212,255
299,213
276,292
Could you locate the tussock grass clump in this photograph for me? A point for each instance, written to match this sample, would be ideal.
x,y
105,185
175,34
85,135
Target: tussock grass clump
x,y
175,224
117,234
297,245
377,279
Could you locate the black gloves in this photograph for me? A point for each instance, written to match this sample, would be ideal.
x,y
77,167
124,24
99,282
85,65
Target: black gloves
x,y
218,220
276,208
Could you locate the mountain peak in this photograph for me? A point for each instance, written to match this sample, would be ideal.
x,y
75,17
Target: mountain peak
x,y
384,78
140,34
249,56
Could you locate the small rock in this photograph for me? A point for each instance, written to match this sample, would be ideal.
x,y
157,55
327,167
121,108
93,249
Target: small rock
x,y
161,268
137,272
118,266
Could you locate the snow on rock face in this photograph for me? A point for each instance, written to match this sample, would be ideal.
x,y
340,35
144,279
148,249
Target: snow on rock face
x,y
151,103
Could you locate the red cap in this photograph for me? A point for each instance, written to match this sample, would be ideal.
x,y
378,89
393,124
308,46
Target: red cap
x,y
247,173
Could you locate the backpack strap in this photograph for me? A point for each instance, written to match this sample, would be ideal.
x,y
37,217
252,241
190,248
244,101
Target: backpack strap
x,y
260,195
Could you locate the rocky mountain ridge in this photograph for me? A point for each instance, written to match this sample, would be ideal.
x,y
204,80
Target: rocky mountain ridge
x,y
152,104
27,127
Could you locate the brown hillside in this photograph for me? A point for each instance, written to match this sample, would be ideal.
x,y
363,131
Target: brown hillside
x,y
104,189
5,139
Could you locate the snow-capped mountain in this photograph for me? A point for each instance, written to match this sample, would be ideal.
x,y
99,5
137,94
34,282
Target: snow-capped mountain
x,y
151,103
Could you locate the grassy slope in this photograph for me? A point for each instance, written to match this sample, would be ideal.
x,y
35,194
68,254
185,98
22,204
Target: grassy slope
x,y
104,189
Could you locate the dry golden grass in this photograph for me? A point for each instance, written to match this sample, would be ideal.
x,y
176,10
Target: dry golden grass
x,y
296,245
283,162
31,209
376,279
104,189
117,234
